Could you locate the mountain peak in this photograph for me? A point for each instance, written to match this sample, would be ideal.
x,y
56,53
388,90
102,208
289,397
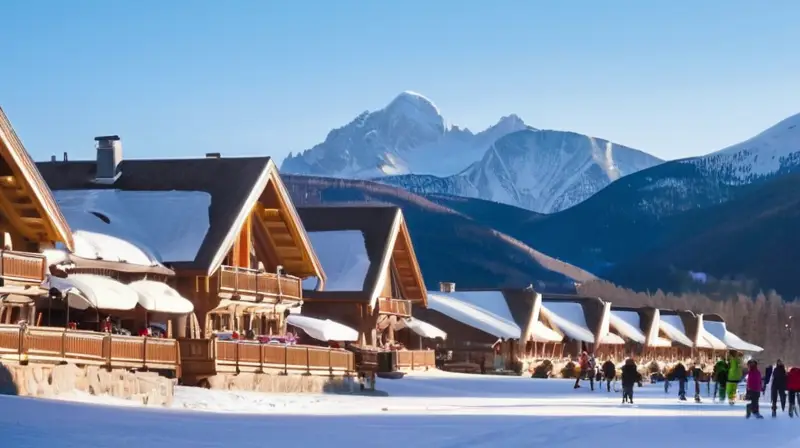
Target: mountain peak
x,y
413,104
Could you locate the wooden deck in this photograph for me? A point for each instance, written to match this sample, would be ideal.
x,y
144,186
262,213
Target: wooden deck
x,y
56,345
206,357
416,359
248,282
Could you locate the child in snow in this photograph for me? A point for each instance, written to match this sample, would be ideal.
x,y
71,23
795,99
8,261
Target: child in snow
x,y
753,389
609,372
630,376
793,385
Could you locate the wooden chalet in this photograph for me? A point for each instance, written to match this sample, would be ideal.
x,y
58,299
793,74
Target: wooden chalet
x,y
31,328
638,327
229,231
583,322
374,279
680,329
484,326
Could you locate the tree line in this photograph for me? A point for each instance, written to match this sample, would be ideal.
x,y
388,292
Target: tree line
x,y
762,319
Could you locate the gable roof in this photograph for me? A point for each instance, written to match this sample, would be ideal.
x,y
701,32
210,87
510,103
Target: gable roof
x,y
19,174
594,311
386,237
234,184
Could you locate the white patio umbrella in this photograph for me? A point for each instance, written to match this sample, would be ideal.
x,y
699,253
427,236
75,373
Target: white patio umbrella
x,y
323,330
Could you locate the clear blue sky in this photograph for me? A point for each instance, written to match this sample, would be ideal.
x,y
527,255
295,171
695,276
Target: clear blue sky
x,y
181,78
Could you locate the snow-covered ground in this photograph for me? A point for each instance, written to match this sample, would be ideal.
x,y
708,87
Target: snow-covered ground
x,y
431,410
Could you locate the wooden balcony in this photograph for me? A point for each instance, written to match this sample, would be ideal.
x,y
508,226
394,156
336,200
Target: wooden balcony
x,y
56,345
204,357
22,267
397,307
249,282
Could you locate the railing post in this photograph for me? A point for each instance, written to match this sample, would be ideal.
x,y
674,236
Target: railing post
x,y
308,361
144,353
64,344
285,359
107,350
261,357
177,359
236,354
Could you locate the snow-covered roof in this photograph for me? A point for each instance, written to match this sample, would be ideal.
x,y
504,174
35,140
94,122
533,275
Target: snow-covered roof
x,y
343,255
613,339
138,227
672,326
569,318
542,333
160,298
729,340
421,328
628,324
661,342
322,330
466,308
95,291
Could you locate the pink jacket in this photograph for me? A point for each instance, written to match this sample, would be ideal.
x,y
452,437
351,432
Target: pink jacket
x,y
754,380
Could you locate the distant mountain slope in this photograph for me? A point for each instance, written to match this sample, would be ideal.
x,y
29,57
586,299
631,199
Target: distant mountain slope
x,y
541,170
409,144
450,245
753,237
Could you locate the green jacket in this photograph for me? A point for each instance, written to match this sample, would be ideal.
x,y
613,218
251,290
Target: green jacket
x,y
735,370
721,370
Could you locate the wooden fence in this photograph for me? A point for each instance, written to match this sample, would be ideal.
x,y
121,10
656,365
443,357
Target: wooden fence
x,y
56,345
209,356
416,359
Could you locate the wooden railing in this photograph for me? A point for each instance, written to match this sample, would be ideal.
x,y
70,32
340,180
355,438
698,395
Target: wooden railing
x,y
397,307
244,281
416,359
256,357
48,344
22,266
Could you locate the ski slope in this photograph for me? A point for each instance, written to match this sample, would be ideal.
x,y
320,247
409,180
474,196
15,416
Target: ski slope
x,y
433,410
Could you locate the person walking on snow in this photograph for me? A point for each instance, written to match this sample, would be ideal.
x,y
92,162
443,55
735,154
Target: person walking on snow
x,y
679,374
734,376
793,385
753,389
720,376
587,370
697,374
777,386
629,377
609,373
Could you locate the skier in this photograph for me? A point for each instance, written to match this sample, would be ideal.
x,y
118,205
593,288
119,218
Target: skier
x,y
793,385
720,375
629,377
609,373
778,387
679,374
734,376
753,389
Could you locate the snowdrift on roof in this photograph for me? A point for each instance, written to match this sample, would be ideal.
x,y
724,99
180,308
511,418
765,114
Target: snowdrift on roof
x,y
475,316
138,227
628,324
343,255
720,331
569,318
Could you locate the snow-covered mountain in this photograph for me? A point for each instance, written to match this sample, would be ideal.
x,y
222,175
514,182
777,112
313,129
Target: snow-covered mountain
x,y
540,170
409,144
409,135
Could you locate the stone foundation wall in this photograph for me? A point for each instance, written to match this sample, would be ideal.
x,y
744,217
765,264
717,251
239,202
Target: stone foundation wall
x,y
42,380
262,382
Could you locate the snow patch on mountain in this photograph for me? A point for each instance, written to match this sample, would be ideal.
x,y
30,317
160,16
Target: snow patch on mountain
x,y
541,170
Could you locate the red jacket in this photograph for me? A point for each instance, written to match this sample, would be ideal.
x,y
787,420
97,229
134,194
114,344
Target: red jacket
x,y
793,379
